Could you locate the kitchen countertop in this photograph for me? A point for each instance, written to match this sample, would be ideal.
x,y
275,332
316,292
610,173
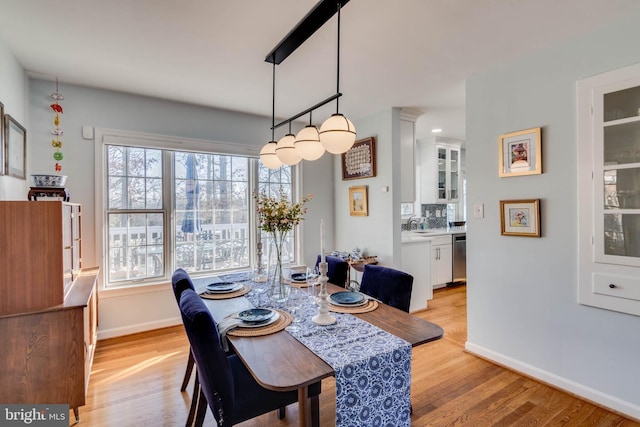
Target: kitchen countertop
x,y
416,236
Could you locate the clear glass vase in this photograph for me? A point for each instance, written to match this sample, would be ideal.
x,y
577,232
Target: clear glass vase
x,y
279,267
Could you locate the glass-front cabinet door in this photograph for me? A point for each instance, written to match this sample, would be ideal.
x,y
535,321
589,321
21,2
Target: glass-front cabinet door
x,y
454,174
609,190
618,230
442,173
448,173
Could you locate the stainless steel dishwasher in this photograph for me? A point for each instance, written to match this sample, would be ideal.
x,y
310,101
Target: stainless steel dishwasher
x,y
459,266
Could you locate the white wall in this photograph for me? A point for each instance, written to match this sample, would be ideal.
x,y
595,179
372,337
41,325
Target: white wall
x,y
522,292
13,89
121,312
379,233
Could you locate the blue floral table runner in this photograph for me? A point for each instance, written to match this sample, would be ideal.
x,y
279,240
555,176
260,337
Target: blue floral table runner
x,y
373,369
372,366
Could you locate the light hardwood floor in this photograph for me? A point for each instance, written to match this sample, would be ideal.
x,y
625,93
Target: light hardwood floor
x,y
136,379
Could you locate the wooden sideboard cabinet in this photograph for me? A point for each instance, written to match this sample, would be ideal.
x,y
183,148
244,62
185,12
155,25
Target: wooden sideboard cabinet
x,y
41,249
48,305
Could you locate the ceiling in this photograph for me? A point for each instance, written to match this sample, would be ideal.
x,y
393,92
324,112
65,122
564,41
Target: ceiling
x,y
402,53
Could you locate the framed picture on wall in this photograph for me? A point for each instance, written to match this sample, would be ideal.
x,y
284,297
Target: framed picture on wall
x,y
520,218
15,147
520,153
2,149
358,201
360,160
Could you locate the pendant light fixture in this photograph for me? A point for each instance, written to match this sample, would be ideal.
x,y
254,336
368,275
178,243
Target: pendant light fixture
x,y
286,149
268,154
308,142
337,134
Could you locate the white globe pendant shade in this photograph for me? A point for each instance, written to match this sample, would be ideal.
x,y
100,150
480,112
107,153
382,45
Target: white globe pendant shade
x,y
269,157
286,150
308,143
337,134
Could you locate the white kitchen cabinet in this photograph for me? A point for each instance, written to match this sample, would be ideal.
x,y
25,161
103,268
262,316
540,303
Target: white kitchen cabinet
x,y
415,255
441,261
609,190
407,155
440,170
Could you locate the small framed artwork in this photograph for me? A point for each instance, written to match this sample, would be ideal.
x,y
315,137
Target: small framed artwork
x,y
358,201
520,153
2,166
520,218
15,136
360,160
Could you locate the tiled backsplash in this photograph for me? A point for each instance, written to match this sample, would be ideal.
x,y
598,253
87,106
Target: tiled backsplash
x,y
435,214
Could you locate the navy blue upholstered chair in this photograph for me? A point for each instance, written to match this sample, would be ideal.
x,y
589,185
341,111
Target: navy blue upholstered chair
x,y
225,383
337,269
390,286
181,282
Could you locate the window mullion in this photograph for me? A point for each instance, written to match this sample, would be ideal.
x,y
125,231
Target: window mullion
x,y
169,208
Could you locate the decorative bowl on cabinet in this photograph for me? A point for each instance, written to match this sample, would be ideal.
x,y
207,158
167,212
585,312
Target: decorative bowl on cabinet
x,y
55,181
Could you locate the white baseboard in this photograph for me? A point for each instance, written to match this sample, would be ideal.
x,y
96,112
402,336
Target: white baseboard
x,y
141,327
613,403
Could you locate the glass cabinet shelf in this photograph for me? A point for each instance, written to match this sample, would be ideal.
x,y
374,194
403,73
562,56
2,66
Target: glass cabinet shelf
x,y
621,104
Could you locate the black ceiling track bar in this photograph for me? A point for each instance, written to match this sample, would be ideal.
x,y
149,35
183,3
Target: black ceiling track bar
x,y
315,19
308,110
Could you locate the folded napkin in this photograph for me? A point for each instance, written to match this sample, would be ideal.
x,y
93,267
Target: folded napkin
x,y
227,324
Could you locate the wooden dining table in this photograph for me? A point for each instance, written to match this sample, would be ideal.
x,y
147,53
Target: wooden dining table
x,y
280,362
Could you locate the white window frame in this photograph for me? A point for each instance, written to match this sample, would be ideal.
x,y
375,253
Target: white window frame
x,y
105,136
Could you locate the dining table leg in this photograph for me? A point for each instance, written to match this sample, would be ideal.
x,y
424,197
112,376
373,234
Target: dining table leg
x,y
304,412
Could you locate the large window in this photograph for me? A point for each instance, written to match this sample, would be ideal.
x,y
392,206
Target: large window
x,y
273,183
212,211
135,214
167,209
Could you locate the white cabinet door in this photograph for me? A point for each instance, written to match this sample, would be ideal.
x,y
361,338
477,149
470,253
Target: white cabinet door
x,y
442,256
441,261
415,256
407,159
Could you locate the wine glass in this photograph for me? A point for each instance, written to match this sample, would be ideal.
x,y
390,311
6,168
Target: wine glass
x,y
296,299
312,282
259,282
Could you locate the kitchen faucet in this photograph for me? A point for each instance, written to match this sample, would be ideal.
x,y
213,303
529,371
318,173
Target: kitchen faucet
x,y
412,220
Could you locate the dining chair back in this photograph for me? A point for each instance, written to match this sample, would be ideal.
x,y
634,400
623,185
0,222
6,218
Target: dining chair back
x,y
390,286
180,282
226,385
337,270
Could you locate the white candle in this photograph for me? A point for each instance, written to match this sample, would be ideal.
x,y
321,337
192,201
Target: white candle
x,y
322,257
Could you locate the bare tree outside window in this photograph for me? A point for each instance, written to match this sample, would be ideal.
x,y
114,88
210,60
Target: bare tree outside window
x,y
220,207
167,209
135,220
